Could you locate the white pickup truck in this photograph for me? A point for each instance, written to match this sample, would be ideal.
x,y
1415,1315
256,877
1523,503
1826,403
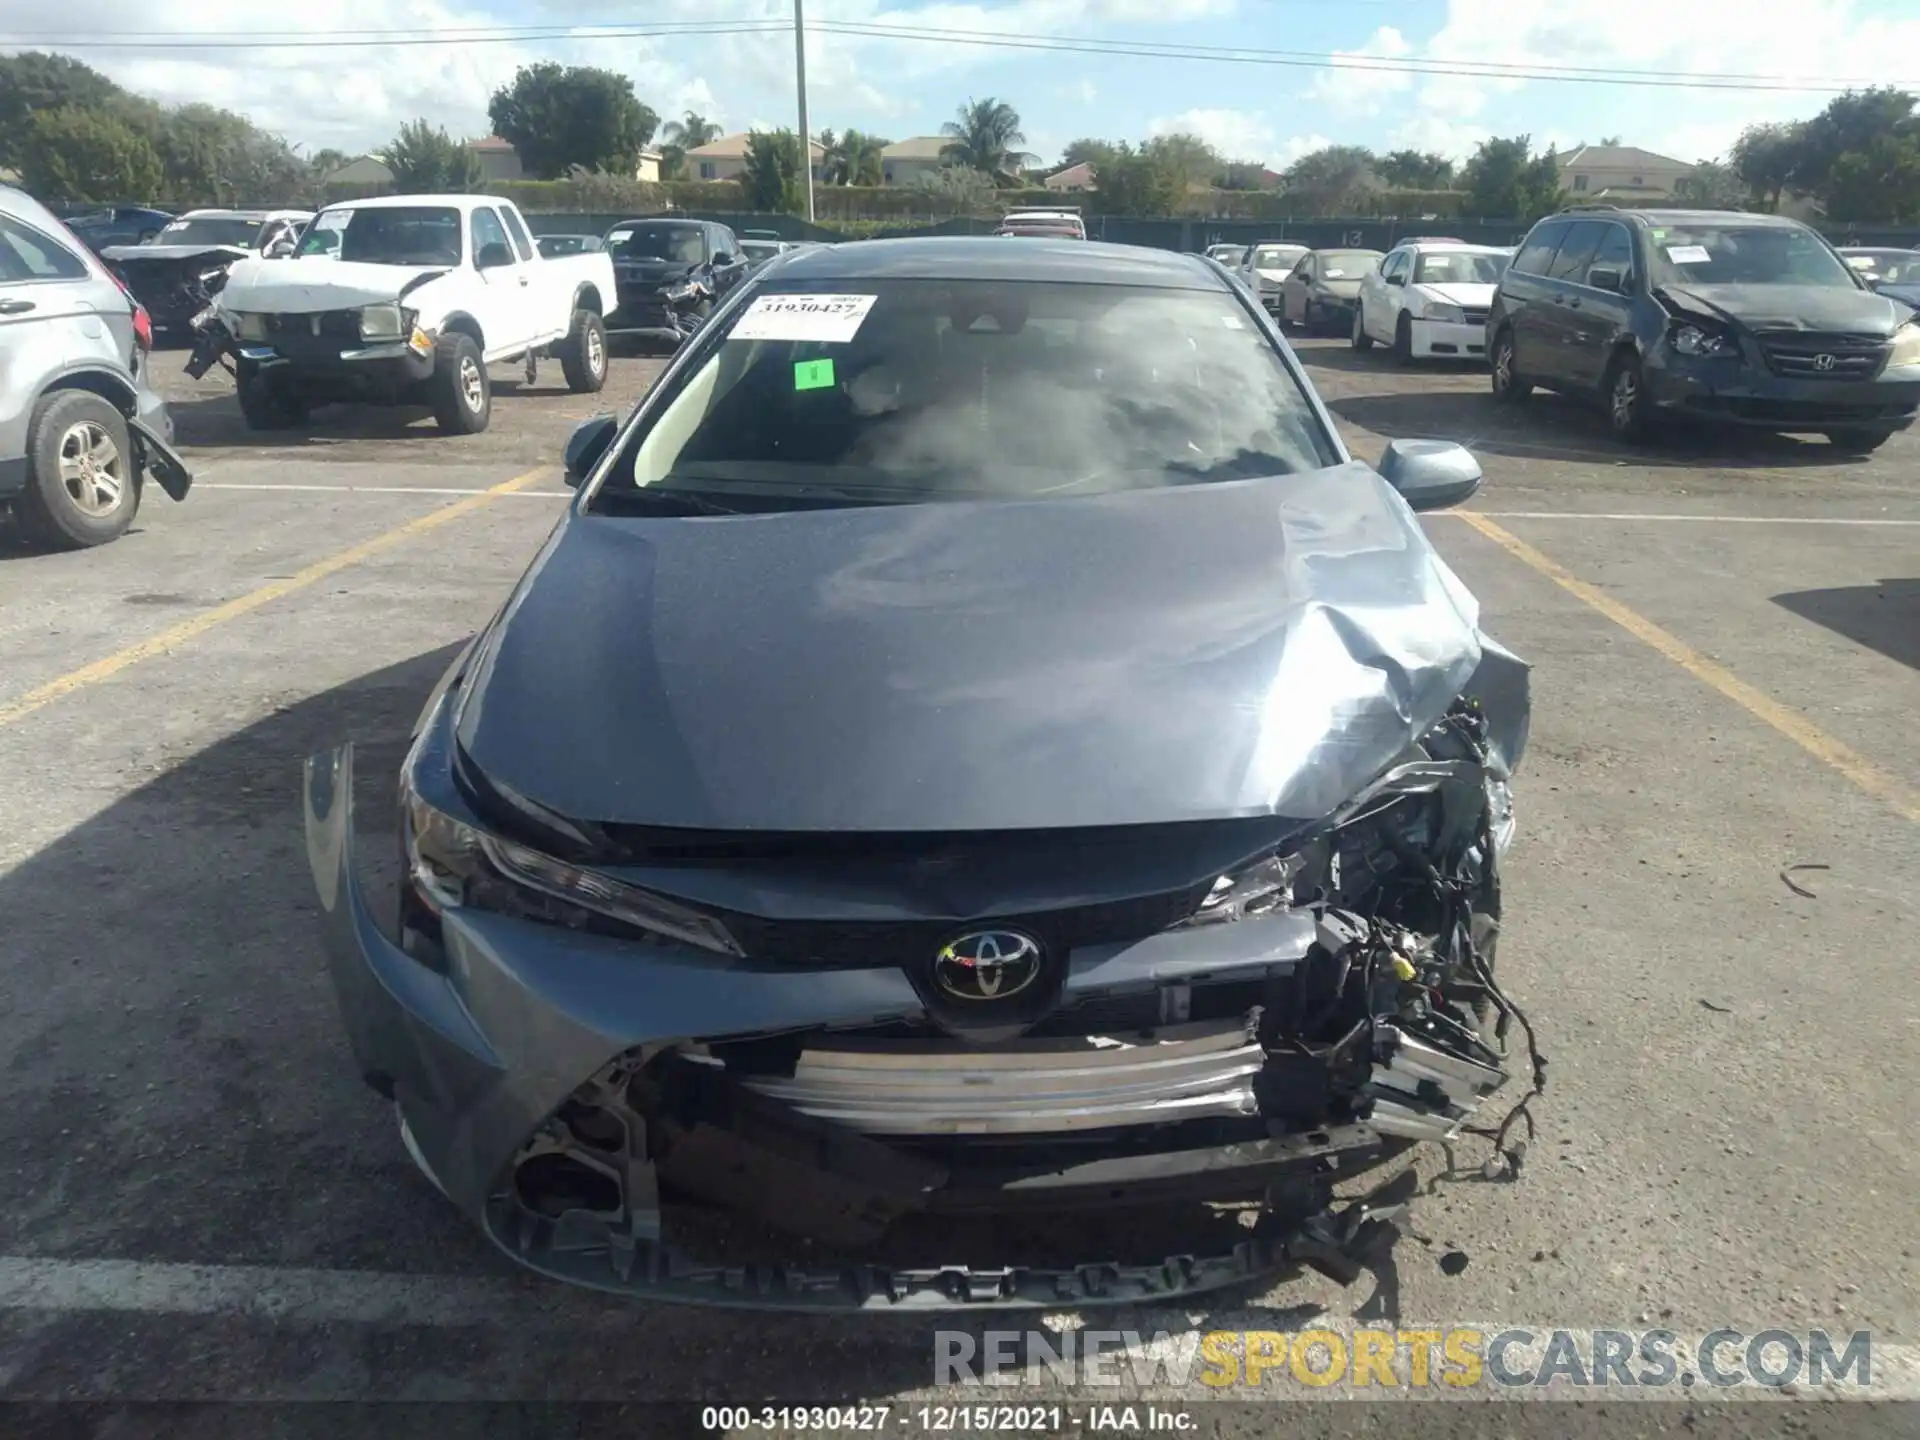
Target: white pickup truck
x,y
405,300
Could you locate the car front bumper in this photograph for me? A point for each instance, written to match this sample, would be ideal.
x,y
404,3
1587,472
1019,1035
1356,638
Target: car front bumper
x,y
387,372
1741,393
1449,340
536,1046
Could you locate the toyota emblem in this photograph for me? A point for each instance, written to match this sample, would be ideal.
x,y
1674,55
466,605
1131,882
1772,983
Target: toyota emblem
x,y
987,965
1823,362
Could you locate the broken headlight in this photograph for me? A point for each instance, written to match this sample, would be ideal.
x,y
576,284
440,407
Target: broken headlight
x,y
1688,338
384,322
250,327
451,863
1261,888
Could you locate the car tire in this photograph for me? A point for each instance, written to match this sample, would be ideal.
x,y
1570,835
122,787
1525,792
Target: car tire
x,y
83,484
1624,392
263,405
1509,387
1403,339
462,393
1360,339
583,354
1858,442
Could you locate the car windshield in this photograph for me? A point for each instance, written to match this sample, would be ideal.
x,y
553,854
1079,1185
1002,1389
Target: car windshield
x,y
386,235
1460,268
1885,267
1347,264
210,230
1746,255
972,389
759,249
1277,257
1229,254
678,243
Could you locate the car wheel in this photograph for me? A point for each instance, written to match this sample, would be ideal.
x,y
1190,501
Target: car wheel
x,y
1507,384
1360,338
1626,397
462,393
82,485
1858,442
583,354
1403,339
264,405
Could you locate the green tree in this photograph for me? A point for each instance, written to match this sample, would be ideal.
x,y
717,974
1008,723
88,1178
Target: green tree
x,y
1415,170
560,116
770,180
1332,180
1197,162
1715,185
986,136
1878,182
1088,151
424,158
1505,180
72,153
677,137
853,157
324,161
1766,158
956,190
1146,181
33,82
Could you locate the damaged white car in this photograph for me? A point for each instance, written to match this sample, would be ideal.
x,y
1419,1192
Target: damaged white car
x,y
405,300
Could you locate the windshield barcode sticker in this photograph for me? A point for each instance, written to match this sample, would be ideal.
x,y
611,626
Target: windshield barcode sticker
x,y
1689,255
831,319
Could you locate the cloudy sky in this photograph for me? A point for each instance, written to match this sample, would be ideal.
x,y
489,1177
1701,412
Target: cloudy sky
x,y
1309,86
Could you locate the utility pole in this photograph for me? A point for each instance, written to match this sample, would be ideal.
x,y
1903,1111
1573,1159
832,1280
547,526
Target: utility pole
x,y
800,84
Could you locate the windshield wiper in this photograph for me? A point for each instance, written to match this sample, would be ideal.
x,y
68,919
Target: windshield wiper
x,y
666,502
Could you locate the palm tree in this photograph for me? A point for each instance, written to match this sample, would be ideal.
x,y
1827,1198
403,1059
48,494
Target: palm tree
x,y
677,137
853,157
984,138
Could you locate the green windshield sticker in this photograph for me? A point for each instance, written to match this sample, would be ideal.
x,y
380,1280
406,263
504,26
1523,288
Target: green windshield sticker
x,y
1659,234
813,374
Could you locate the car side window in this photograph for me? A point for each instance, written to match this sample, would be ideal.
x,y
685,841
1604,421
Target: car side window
x,y
724,243
1303,272
1398,264
487,230
1536,254
27,254
522,245
1615,250
1576,251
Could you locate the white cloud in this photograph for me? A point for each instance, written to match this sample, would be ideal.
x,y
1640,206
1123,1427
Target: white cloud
x,y
1294,146
1355,85
1236,134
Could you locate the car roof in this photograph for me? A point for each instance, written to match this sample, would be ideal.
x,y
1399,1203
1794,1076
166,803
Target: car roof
x,y
1677,218
1452,247
986,257
658,220
261,215
453,199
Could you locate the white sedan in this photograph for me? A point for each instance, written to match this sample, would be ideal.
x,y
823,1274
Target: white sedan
x,y
1430,300
1266,266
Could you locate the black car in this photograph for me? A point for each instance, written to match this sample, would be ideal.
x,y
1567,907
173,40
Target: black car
x,y
1716,316
977,756
98,226
670,274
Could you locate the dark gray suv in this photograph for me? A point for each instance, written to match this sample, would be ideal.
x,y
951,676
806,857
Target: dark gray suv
x,y
79,427
1719,316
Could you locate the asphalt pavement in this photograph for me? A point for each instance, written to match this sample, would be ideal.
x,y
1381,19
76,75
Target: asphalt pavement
x,y
207,1204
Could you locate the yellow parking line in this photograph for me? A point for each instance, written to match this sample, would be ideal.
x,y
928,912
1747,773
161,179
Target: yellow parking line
x,y
44,695
1790,723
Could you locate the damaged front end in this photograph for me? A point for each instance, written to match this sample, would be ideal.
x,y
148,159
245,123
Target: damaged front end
x,y
174,287
1142,1095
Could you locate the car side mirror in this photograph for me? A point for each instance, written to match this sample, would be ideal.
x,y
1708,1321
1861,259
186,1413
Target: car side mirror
x,y
1607,277
1430,474
1394,279
281,248
723,258
586,445
492,256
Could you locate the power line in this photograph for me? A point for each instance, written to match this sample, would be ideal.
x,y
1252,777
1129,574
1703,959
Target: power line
x,y
1061,44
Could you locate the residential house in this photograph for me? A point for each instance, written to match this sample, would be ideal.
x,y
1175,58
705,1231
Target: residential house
x,y
1622,173
1074,177
725,158
365,170
904,161
500,161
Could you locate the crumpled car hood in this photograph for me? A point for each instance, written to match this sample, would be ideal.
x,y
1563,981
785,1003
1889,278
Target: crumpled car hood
x,y
121,254
1260,647
1792,307
306,286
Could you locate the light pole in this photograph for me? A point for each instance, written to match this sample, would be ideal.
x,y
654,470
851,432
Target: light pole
x,y
800,84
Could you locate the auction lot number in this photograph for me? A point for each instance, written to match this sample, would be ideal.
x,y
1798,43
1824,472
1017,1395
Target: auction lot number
x,y
794,1417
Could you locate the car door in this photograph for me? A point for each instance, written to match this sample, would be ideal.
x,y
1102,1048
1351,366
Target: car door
x,y
1295,288
1384,316
1606,302
550,288
1565,333
1525,297
729,262
1372,298
509,322
48,320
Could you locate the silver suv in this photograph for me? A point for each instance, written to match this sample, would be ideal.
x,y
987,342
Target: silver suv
x,y
79,428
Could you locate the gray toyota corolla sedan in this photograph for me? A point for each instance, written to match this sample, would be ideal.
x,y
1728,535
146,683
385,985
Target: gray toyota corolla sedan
x,y
981,801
